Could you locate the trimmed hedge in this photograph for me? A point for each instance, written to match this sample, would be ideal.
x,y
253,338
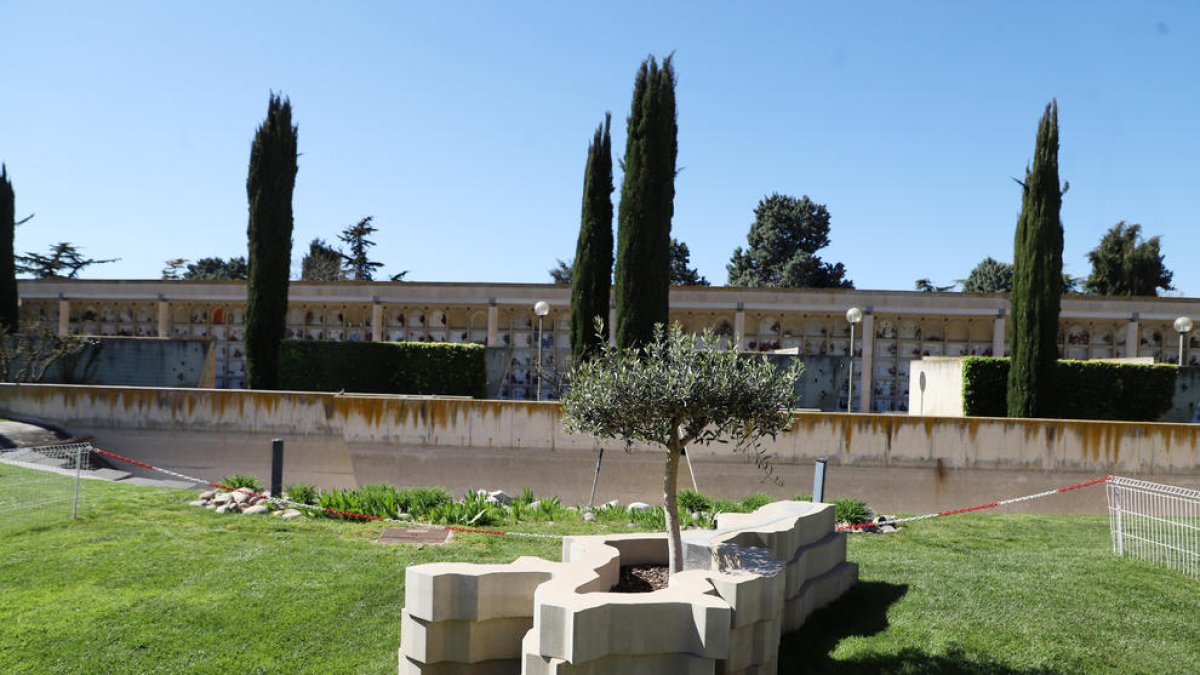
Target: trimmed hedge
x,y
1083,390
383,367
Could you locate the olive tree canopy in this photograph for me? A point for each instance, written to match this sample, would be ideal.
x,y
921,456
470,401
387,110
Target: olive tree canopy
x,y
675,391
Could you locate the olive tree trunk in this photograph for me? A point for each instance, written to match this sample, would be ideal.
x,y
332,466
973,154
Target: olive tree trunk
x,y
671,505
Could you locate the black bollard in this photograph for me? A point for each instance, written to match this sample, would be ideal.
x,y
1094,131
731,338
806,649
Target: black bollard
x,y
276,467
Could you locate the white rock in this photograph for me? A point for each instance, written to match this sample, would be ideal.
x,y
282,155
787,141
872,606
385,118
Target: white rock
x,y
224,508
198,502
611,505
208,494
589,517
256,509
499,496
534,504
887,529
290,513
240,497
637,506
403,516
222,498
492,500
210,506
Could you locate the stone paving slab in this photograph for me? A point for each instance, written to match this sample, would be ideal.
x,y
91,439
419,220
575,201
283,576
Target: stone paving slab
x,y
150,482
110,474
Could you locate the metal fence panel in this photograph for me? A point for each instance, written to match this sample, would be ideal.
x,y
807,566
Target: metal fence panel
x,y
41,485
1156,523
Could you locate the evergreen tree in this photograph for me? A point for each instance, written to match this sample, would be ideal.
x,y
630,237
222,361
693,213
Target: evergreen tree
x,y
358,264
681,274
781,248
64,261
647,204
9,318
562,271
217,269
322,263
1124,264
269,187
989,276
1037,279
591,274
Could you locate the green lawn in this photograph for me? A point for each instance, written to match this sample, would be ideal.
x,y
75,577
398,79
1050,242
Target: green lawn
x,y
142,583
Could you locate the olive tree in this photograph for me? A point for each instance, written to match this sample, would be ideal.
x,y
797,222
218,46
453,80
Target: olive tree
x,y
678,390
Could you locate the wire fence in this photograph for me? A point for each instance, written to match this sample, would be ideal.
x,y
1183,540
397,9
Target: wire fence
x,y
1156,523
41,485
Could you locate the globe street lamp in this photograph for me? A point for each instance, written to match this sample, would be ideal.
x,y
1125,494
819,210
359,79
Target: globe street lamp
x,y
854,316
1183,326
542,308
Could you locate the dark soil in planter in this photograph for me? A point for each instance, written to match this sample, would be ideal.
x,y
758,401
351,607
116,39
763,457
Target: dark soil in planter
x,y
641,579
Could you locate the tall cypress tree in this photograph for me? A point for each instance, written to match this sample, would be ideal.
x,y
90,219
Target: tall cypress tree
x,y
1037,279
269,187
591,277
8,269
647,204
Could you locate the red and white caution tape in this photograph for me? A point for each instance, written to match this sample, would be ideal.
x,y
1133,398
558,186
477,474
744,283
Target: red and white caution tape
x,y
978,507
279,501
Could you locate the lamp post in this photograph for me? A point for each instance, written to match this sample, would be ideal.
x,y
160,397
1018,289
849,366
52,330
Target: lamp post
x,y
542,308
1183,326
854,316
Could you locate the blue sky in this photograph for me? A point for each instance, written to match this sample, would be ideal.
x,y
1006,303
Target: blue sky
x,y
463,126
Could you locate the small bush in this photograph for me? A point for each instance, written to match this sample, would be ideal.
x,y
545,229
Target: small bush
x,y
690,500
755,501
851,510
653,519
472,511
302,492
419,501
242,481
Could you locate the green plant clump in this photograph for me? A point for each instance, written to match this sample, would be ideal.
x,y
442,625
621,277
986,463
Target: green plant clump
x,y
690,500
1084,390
851,510
303,493
242,481
383,367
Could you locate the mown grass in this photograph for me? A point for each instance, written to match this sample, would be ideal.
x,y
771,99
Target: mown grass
x,y
141,583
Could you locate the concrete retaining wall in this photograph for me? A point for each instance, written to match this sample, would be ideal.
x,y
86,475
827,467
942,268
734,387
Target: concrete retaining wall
x,y
756,577
897,463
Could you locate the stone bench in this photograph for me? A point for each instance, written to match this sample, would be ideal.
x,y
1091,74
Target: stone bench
x,y
755,577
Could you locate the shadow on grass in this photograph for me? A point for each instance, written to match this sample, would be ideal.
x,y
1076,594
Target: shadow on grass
x,y
862,612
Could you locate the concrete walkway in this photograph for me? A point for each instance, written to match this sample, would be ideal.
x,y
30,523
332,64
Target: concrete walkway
x,y
30,445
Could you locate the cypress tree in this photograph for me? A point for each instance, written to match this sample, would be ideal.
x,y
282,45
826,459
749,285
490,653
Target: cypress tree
x,y
647,204
591,276
1037,279
269,187
8,270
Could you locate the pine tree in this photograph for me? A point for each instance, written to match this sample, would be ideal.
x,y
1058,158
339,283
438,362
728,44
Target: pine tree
x,y
269,187
9,319
1124,264
1037,279
591,274
358,263
647,204
322,263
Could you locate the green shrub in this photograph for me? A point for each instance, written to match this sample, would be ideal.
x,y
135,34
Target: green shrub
x,y
755,501
727,506
383,367
242,481
1084,390
653,519
690,500
418,501
302,492
472,511
851,510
